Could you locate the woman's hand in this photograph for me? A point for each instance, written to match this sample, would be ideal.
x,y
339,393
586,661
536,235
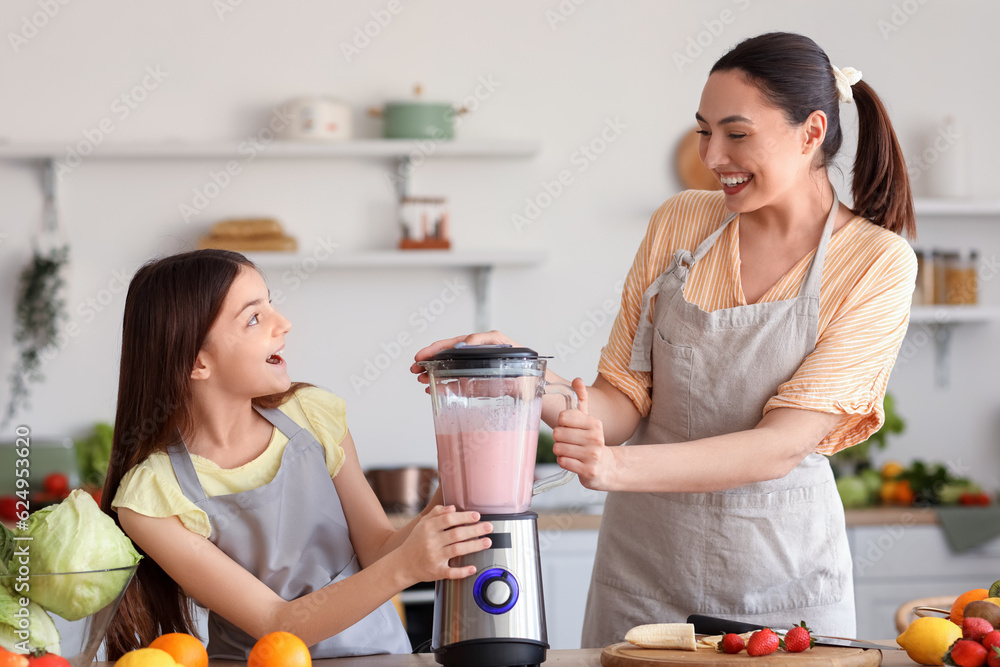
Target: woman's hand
x,y
444,533
485,338
579,444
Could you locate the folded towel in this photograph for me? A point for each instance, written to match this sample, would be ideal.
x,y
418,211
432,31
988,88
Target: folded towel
x,y
969,527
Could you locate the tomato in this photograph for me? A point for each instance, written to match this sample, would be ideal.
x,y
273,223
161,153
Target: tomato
x,y
48,660
8,508
8,659
57,484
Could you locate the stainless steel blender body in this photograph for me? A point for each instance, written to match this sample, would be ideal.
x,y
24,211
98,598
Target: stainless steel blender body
x,y
487,407
496,617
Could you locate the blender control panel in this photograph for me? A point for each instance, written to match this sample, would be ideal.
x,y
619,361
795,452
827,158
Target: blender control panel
x,y
495,590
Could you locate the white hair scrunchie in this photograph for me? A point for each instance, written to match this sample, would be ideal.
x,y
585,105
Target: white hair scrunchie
x,y
846,78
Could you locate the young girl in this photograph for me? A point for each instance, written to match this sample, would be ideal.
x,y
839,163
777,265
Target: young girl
x,y
243,489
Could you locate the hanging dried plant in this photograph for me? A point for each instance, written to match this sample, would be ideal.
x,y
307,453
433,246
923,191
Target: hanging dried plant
x,y
38,310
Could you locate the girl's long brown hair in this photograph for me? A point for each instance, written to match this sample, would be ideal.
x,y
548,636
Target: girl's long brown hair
x,y
170,307
795,75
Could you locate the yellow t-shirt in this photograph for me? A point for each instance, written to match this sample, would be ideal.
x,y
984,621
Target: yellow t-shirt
x,y
151,488
864,310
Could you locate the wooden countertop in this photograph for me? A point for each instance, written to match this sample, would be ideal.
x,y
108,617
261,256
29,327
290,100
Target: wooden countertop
x,y
575,657
569,519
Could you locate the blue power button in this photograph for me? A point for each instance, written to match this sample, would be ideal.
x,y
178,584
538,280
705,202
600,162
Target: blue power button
x,y
495,590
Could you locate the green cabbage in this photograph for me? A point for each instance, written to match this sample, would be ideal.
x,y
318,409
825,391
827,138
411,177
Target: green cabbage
x,y
76,536
42,633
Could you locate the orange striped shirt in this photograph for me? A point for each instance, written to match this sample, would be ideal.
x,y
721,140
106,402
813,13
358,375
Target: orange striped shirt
x,y
868,281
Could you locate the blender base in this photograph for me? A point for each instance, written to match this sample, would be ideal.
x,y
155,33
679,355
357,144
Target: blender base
x,y
492,653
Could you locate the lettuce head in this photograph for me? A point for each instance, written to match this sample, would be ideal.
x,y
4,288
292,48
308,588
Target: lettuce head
x,y
76,536
24,629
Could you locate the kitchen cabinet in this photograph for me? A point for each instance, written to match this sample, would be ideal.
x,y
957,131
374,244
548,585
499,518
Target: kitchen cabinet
x,y
404,153
938,321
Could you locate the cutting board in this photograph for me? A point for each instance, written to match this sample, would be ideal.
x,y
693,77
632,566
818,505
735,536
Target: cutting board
x,y
627,655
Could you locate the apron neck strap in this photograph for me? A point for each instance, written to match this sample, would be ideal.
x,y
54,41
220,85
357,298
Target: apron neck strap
x,y
814,279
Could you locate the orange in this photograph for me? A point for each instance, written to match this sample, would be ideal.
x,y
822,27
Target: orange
x,y
958,609
904,494
279,649
185,649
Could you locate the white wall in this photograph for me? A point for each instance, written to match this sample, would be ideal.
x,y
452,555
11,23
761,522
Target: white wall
x,y
557,82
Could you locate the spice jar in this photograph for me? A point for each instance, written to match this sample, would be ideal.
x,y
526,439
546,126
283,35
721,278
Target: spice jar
x,y
961,287
941,258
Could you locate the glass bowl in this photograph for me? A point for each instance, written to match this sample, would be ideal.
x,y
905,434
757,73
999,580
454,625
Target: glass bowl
x,y
81,638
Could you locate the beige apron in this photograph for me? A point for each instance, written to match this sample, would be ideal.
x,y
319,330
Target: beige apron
x,y
772,553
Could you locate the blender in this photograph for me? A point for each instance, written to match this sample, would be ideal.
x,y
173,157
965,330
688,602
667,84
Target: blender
x,y
487,402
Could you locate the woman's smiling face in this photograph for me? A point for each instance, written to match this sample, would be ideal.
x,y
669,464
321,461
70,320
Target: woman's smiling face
x,y
749,145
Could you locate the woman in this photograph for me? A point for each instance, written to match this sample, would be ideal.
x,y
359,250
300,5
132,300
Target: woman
x,y
757,331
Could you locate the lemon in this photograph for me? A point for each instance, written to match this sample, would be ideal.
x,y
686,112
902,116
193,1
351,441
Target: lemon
x,y
995,601
151,657
927,639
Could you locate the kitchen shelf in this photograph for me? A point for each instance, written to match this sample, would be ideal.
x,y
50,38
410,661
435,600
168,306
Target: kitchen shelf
x,y
404,152
359,148
938,321
956,207
955,314
480,262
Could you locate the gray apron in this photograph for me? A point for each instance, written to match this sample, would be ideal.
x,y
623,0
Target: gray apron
x,y
291,534
772,553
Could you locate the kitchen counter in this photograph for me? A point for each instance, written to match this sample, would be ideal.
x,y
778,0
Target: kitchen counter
x,y
575,657
570,519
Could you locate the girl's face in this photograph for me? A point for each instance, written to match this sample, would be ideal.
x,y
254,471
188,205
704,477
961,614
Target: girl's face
x,y
757,156
242,352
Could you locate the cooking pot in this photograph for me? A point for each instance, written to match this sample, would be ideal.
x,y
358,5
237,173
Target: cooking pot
x,y
403,490
417,119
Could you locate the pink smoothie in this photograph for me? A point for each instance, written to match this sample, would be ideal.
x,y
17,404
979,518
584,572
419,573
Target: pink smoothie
x,y
491,472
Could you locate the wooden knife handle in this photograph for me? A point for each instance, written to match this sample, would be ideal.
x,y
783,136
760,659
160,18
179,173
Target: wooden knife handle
x,y
709,625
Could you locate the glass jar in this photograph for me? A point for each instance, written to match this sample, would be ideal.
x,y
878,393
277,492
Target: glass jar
x,y
961,287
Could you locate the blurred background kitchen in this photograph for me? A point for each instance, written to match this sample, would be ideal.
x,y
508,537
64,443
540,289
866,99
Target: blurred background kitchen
x,y
160,121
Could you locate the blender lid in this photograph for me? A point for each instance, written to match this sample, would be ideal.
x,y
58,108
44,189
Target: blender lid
x,y
463,352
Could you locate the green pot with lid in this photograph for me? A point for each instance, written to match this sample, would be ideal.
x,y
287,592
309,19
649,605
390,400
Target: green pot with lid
x,y
418,119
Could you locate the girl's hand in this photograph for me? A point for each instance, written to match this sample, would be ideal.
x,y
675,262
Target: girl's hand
x,y
579,444
486,338
441,535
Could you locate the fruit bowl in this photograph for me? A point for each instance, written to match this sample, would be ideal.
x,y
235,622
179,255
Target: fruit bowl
x,y
80,638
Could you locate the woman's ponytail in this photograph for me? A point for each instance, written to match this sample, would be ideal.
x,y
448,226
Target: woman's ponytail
x,y
880,183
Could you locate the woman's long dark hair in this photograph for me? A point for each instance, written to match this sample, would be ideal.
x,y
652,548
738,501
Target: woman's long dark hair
x,y
170,307
794,74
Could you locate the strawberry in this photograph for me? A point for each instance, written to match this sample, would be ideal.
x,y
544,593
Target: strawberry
x,y
975,628
763,642
993,657
966,653
991,639
731,643
798,639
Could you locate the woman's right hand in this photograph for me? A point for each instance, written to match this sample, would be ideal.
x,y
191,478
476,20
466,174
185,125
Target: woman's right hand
x,y
485,338
444,533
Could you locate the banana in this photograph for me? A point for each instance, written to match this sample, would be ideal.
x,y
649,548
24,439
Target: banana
x,y
663,635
